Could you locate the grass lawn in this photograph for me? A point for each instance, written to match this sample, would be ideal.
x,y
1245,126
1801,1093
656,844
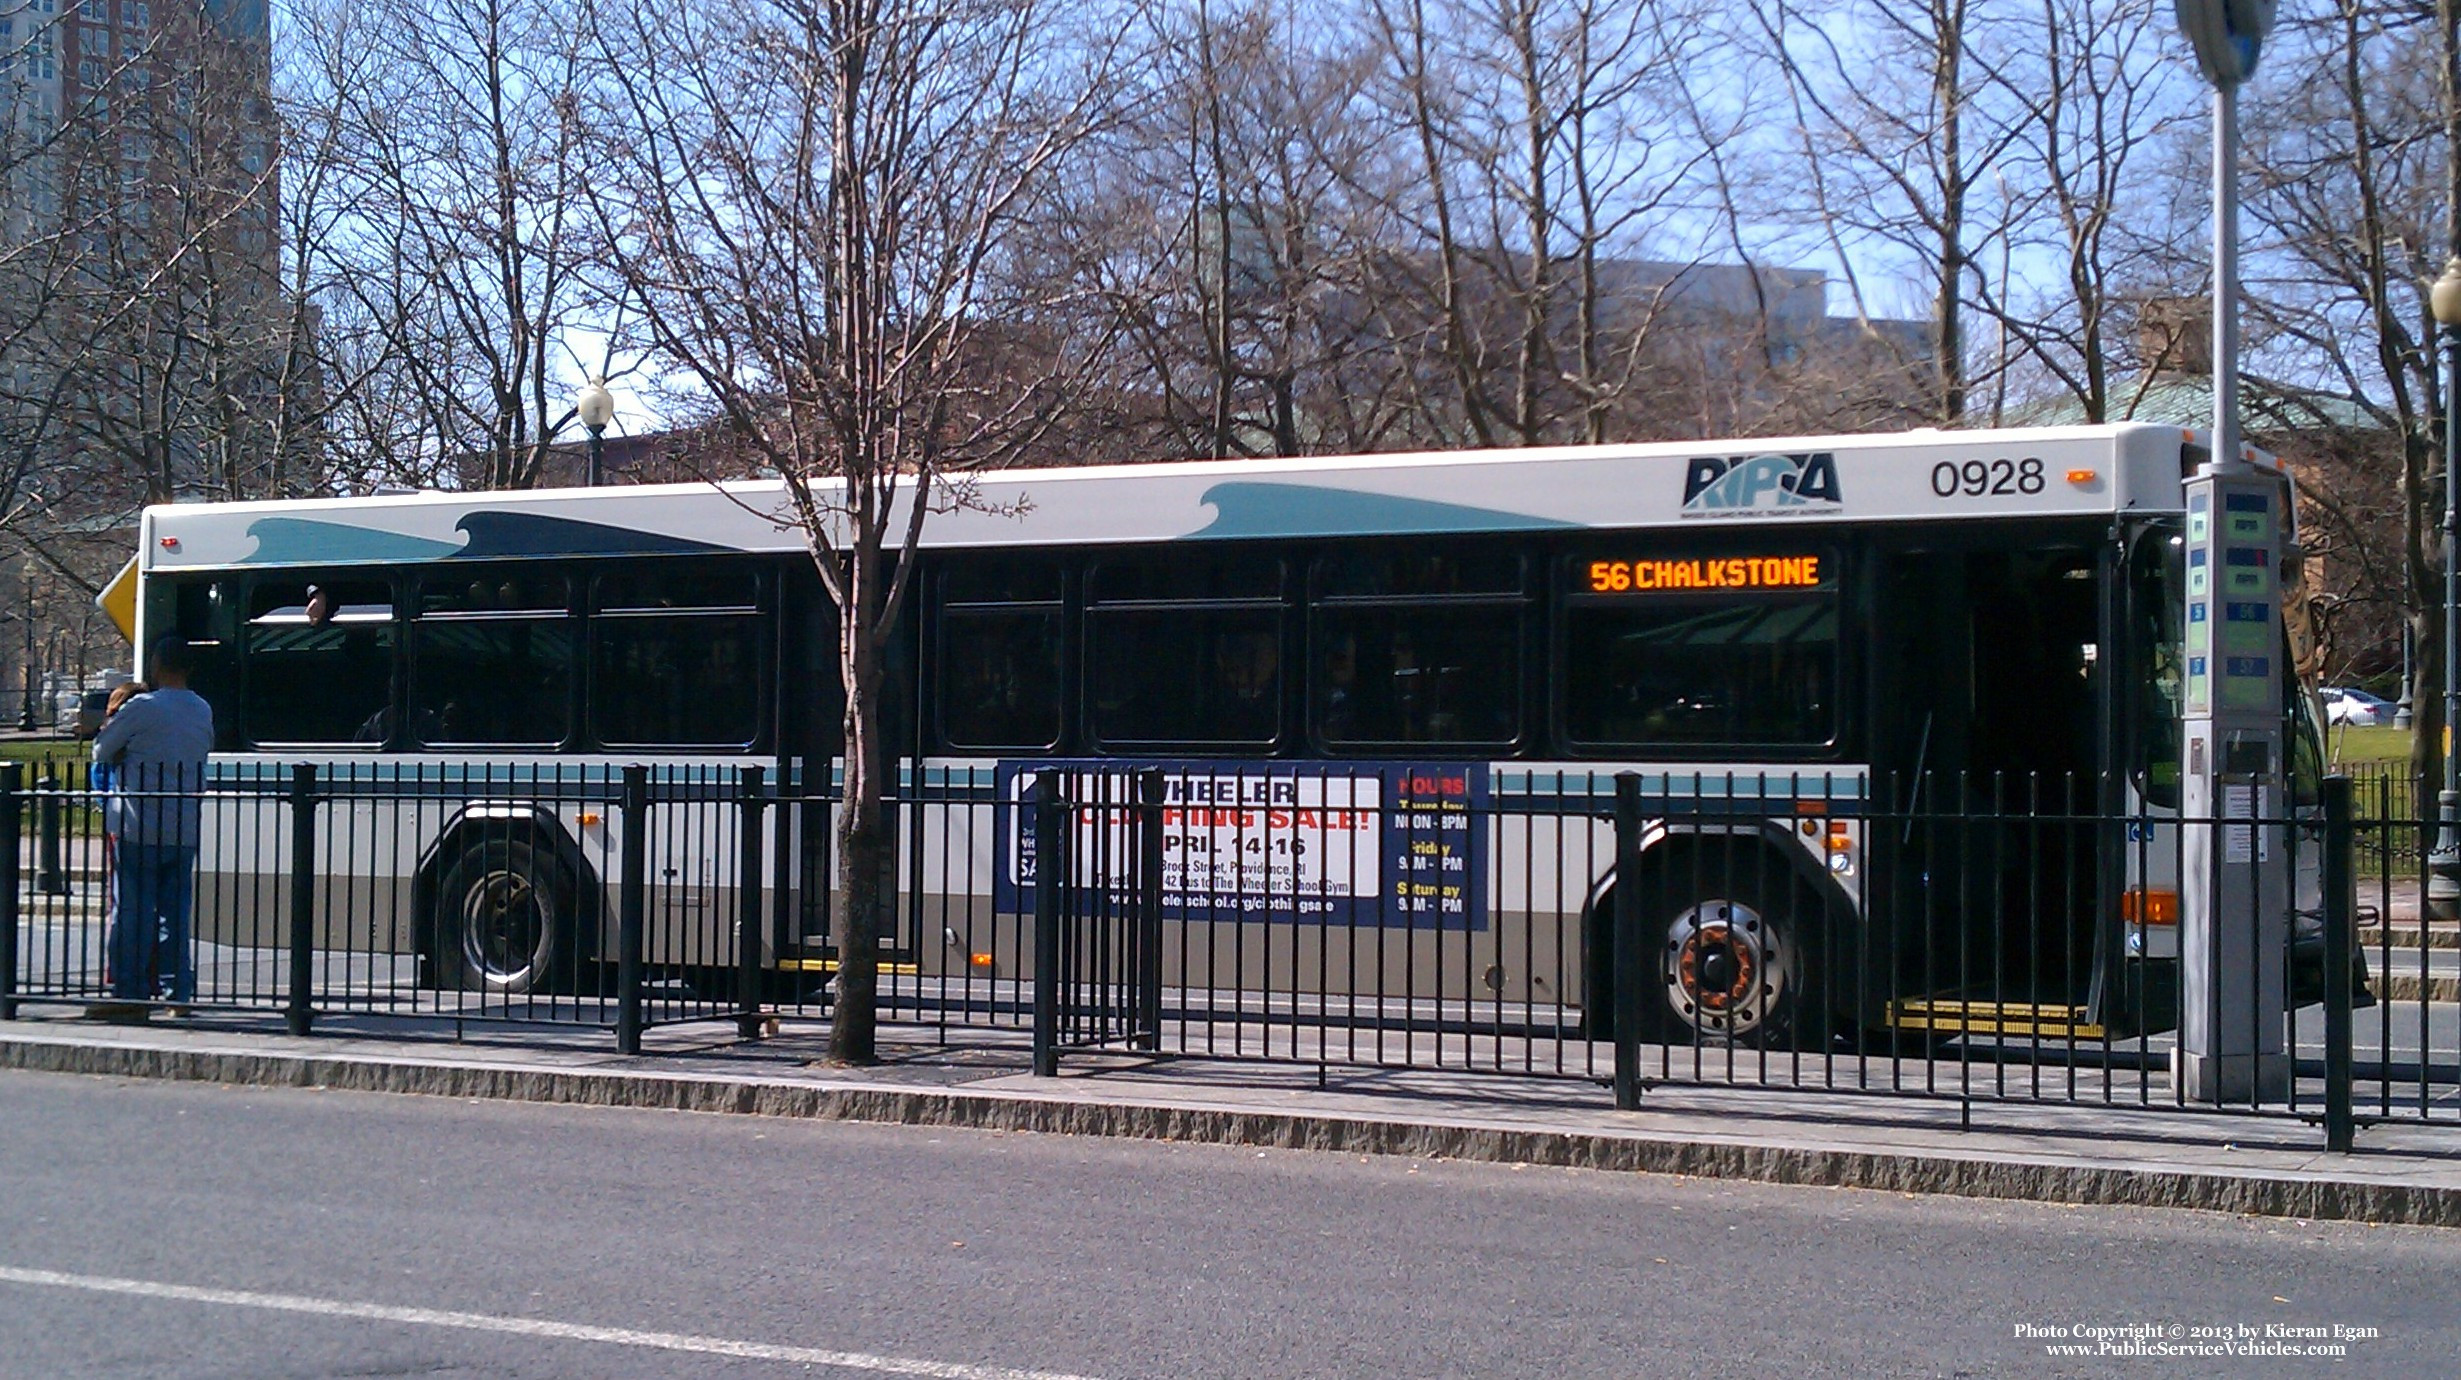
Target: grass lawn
x,y
35,751
2368,744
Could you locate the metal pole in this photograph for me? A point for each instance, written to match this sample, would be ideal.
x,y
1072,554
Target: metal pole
x,y
2226,455
632,910
298,1011
598,456
748,908
2234,909
2340,906
49,877
2444,859
12,786
1050,861
1149,909
1624,947
25,708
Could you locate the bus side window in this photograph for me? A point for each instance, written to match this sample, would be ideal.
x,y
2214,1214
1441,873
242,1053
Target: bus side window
x,y
1672,663
320,663
491,659
1001,641
1416,648
1186,652
676,659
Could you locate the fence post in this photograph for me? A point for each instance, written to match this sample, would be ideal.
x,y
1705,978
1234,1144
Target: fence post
x,y
48,876
12,799
298,1011
632,910
1149,909
1625,951
751,781
2340,905
1050,866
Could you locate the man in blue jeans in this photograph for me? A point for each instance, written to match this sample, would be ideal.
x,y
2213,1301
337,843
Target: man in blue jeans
x,y
158,741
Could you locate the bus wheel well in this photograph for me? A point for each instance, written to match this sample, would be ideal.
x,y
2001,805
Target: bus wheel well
x,y
1734,866
531,850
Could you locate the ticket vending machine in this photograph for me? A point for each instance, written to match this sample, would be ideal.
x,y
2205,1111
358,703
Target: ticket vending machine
x,y
2235,883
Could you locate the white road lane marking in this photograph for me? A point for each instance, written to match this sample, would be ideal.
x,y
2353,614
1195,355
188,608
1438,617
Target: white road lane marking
x,y
525,1327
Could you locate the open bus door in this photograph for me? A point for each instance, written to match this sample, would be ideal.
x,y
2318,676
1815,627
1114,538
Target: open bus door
x,y
1986,734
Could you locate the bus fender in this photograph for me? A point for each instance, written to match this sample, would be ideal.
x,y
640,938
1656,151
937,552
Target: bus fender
x,y
479,818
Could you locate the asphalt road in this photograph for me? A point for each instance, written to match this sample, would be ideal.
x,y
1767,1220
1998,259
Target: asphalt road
x,y
162,1229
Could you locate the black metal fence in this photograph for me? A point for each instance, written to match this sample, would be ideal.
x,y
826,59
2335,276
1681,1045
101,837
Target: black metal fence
x,y
1995,939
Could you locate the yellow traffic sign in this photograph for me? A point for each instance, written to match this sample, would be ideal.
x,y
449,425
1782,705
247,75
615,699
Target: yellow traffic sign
x,y
118,601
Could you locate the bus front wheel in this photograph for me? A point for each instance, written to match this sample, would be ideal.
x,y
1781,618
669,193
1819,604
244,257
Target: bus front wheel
x,y
503,916
1735,962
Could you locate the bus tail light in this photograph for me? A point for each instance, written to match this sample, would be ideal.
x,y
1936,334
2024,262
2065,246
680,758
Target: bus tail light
x,y
2141,906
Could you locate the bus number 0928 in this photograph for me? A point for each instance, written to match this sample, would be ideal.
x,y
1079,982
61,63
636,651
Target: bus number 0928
x,y
1978,478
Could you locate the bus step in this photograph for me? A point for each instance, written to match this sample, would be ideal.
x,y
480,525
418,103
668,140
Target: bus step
x,y
2024,1020
829,965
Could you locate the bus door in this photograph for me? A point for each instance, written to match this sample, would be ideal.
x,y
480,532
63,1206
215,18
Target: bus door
x,y
1987,669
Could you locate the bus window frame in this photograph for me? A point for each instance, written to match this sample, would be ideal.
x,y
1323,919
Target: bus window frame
x,y
391,578
761,615
1092,612
1066,605
1314,645
576,700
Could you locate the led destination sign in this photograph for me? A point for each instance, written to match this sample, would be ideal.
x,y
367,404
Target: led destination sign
x,y
1716,573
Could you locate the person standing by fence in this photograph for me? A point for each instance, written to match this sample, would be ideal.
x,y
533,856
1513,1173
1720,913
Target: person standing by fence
x,y
157,745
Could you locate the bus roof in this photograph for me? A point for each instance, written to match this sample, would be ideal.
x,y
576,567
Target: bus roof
x,y
1925,475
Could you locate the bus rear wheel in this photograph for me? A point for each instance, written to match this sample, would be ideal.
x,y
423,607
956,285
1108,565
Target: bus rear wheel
x,y
504,918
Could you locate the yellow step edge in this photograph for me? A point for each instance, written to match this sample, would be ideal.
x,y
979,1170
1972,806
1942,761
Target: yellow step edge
x,y
1993,1018
829,965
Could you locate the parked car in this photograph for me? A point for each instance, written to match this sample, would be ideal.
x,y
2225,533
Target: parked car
x,y
2346,707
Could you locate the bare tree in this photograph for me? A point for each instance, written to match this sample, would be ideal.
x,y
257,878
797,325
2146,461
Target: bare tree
x,y
461,169
1892,161
2352,191
1554,153
810,215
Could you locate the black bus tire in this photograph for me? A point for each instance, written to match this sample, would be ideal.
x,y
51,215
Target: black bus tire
x,y
1735,947
504,919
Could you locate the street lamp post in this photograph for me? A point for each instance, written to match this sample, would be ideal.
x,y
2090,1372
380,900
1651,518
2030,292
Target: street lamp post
x,y
25,710
2444,859
2235,895
596,407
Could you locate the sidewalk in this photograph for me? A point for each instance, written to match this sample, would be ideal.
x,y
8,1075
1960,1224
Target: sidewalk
x,y
2262,1166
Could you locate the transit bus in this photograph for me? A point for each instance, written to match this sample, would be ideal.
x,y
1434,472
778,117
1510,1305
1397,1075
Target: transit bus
x,y
1792,629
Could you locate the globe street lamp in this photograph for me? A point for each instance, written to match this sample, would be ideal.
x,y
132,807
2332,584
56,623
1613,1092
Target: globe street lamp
x,y
597,408
2444,859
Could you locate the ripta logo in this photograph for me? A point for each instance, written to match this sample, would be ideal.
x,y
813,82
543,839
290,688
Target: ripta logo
x,y
1755,485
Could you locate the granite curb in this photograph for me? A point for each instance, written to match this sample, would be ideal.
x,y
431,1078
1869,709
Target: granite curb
x,y
2308,1194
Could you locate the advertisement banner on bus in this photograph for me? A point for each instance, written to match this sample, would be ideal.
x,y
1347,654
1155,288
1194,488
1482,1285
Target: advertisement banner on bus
x,y
1387,843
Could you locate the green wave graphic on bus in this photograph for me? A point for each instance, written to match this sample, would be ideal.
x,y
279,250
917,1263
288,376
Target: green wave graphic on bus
x,y
1249,508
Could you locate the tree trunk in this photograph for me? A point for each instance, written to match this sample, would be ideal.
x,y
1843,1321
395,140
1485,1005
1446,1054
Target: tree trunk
x,y
865,840
2427,708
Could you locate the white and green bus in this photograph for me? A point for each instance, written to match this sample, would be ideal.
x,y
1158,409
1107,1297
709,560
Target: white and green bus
x,y
1812,649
